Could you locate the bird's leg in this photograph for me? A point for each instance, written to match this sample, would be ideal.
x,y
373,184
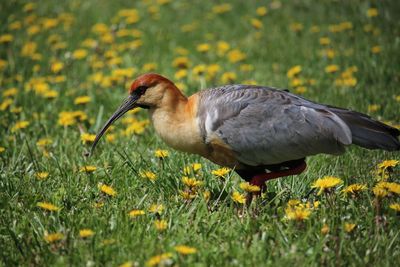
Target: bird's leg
x,y
260,179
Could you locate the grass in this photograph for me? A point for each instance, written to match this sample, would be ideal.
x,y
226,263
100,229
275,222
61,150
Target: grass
x,y
222,231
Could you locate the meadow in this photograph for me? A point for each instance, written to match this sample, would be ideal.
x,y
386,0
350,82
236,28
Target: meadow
x,y
65,66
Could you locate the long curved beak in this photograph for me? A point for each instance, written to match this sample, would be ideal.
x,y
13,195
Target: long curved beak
x,y
128,104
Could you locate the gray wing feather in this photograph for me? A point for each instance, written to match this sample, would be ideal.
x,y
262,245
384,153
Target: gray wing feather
x,y
268,126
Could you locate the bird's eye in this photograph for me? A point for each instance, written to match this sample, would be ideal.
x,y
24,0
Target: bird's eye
x,y
140,90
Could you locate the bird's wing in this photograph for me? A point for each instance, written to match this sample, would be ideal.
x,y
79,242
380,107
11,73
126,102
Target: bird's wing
x,y
268,126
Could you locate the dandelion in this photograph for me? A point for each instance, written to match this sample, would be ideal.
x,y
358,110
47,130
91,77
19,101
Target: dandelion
x,y
228,77
136,213
6,38
79,54
222,47
180,74
148,67
256,23
161,154
191,182
325,229
81,100
47,206
296,27
181,62
395,206
87,138
85,233
51,238
188,195
261,11
160,225
238,198
236,56
156,208
353,189
376,49
19,125
331,68
297,213
127,264
221,172
249,188
203,48
326,183
108,190
293,71
2,149
160,260
373,108
185,250
349,227
88,169
222,8
372,12
386,164
149,175
324,41
206,195
56,66
42,175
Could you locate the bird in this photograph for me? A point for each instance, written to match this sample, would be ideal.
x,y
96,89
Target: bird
x,y
261,132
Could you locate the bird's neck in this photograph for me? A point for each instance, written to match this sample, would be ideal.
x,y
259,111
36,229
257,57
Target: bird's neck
x,y
175,121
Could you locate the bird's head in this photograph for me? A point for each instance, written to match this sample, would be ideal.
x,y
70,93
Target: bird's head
x,y
147,91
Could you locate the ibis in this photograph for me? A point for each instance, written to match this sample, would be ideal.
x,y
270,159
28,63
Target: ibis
x,y
261,132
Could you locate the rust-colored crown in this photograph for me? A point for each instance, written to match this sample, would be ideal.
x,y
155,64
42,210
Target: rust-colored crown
x,y
148,80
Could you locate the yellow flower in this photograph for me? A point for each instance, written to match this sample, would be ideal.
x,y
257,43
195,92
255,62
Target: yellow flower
x,y
222,8
331,68
199,70
203,48
136,213
228,77
238,198
256,23
84,233
297,213
262,11
47,206
181,62
156,208
108,190
191,182
80,100
348,227
207,195
19,125
180,74
6,38
296,27
373,108
159,260
44,142
379,191
354,189
42,175
221,172
127,264
50,238
6,104
149,67
325,183
160,225
324,41
388,164
187,195
249,188
372,12
28,49
236,55
79,54
185,250
110,138
88,169
149,175
2,149
325,229
293,71
376,49
160,153
395,206
87,138
222,48
57,66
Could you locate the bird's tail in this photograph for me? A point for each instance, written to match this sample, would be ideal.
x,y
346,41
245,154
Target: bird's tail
x,y
367,132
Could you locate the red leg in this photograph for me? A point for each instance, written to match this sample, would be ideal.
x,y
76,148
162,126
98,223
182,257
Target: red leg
x,y
260,179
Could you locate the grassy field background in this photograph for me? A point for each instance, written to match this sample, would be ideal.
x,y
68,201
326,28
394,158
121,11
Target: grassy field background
x,y
65,66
